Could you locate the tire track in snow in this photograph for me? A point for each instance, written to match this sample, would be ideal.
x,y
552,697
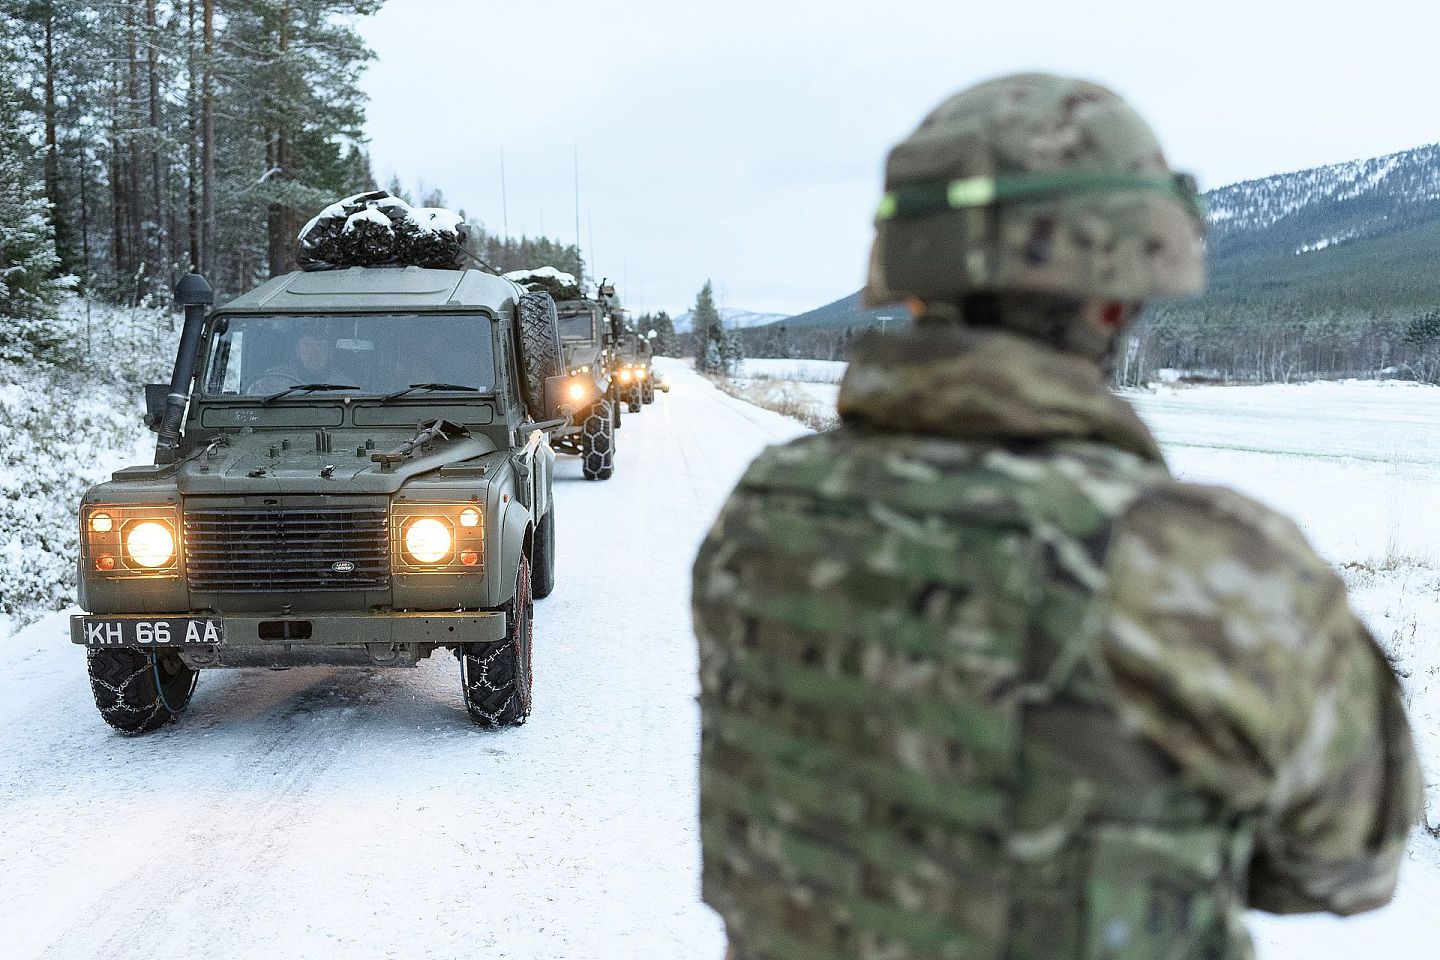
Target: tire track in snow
x,y
324,813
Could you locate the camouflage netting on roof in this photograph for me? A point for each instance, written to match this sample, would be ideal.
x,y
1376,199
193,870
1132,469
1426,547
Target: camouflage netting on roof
x,y
561,286
377,229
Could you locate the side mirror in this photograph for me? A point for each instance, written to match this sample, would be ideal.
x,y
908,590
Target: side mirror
x,y
155,397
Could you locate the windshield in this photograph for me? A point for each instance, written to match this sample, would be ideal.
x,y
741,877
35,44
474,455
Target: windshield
x,y
374,354
577,326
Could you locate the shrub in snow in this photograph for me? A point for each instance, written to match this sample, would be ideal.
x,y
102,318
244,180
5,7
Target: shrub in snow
x,y
63,427
29,287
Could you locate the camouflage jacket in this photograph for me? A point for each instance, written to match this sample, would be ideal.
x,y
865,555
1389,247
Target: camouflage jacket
x,y
980,679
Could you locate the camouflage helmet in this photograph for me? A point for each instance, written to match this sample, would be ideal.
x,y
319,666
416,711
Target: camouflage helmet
x,y
1039,184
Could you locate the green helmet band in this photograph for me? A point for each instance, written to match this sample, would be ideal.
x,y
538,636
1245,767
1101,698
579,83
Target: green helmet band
x,y
922,199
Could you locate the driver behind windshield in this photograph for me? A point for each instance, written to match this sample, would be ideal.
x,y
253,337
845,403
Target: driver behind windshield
x,y
313,362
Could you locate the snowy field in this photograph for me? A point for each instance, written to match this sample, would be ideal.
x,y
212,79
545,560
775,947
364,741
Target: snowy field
x,y
330,813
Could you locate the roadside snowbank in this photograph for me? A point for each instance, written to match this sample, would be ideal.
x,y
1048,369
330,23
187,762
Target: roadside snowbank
x,y
64,427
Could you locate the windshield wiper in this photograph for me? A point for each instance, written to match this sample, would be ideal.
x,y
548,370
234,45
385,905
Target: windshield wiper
x,y
428,386
307,388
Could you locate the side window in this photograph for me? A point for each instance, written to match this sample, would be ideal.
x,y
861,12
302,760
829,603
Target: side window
x,y
225,365
232,369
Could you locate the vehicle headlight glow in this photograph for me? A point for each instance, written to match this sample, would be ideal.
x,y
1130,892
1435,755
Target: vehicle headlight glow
x,y
428,540
469,517
625,375
577,391
131,540
150,544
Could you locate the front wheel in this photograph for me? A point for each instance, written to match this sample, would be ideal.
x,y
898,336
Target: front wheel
x,y
597,443
495,677
649,394
139,691
634,397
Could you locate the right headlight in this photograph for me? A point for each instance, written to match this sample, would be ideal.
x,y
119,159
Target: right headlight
x,y
130,540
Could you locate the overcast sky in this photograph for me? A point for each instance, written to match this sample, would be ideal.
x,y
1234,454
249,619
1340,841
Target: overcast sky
x,y
744,141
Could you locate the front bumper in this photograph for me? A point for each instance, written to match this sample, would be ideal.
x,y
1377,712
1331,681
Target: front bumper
x,y
360,639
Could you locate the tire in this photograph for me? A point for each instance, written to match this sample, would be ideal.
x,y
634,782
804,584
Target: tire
x,y
634,397
615,406
648,396
137,692
597,443
542,574
496,678
541,355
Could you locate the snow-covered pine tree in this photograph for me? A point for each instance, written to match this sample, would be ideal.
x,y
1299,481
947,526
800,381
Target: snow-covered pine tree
x,y
665,341
732,352
28,262
710,349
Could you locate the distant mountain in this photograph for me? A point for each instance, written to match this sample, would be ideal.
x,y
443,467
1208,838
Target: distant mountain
x,y
734,318
845,312
1311,211
1361,237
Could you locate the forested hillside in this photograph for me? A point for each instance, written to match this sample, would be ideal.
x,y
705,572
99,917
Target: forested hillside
x,y
176,134
139,140
1328,272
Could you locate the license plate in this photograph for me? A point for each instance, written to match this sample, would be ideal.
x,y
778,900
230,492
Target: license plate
x,y
161,632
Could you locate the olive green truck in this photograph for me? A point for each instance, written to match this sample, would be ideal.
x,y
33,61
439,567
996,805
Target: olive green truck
x,y
353,468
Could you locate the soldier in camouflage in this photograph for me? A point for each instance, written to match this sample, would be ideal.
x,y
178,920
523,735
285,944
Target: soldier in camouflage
x,y
979,678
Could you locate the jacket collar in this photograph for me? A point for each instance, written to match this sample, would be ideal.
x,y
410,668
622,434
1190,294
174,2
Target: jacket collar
x,y
986,385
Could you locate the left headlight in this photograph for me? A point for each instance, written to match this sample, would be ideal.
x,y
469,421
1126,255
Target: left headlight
x,y
131,540
150,544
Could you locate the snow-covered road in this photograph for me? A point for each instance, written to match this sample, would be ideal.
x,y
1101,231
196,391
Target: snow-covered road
x,y
358,814
333,813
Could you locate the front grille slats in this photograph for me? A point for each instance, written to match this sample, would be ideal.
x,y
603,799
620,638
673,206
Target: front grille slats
x,y
287,549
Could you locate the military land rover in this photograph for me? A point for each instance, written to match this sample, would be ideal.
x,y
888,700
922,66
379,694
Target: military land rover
x,y
634,369
353,468
588,335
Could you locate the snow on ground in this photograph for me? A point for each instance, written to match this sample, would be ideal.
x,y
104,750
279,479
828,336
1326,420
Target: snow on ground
x,y
324,813
807,371
358,813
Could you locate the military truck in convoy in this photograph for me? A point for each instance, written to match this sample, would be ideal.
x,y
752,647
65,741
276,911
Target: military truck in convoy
x,y
587,333
634,369
353,468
